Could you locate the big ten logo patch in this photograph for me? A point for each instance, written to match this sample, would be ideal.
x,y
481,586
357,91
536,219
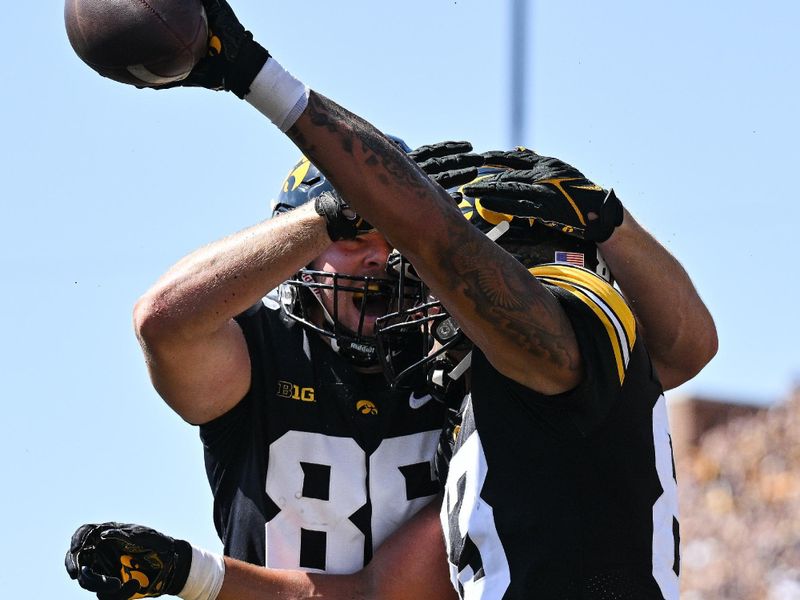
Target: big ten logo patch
x,y
291,391
365,407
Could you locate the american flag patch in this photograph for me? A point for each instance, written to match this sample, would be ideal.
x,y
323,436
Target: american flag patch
x,y
573,258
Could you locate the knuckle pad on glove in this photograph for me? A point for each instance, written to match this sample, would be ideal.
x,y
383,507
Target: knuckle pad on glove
x,y
80,536
455,177
513,159
440,149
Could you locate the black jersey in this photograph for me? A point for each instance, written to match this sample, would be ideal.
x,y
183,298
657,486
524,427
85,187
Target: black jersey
x,y
567,497
317,464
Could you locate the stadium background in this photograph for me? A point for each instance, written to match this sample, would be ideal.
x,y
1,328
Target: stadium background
x,y
689,110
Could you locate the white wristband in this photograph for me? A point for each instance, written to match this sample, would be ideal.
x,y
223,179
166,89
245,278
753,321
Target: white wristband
x,y
278,94
205,576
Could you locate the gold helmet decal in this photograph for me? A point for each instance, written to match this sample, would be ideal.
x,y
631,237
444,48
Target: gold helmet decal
x,y
296,175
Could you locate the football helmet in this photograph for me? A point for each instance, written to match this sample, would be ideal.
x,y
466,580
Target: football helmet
x,y
423,320
529,241
305,182
300,296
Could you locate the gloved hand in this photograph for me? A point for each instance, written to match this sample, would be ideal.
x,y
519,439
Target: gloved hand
x,y
450,164
343,222
121,561
550,191
234,58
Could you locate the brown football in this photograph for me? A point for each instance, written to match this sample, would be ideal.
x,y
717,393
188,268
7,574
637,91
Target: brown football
x,y
140,42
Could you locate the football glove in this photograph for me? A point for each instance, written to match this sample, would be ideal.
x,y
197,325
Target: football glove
x,y
449,164
120,561
342,222
234,57
550,191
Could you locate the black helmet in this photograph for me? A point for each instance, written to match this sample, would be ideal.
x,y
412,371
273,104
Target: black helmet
x,y
303,184
528,240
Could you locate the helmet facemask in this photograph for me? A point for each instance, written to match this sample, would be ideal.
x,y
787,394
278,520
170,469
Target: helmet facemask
x,y
301,299
416,343
413,343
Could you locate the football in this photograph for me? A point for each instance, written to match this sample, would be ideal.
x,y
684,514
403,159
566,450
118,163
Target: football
x,y
139,42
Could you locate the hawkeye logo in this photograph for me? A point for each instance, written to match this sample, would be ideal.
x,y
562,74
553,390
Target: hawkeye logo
x,y
131,569
297,175
365,407
295,392
214,46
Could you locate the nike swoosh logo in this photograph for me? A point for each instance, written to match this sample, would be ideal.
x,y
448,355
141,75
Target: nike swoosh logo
x,y
415,402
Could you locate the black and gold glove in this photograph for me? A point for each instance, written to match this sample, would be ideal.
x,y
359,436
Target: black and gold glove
x,y
449,164
550,191
120,561
234,57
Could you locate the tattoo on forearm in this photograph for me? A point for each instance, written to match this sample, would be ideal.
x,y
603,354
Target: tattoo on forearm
x,y
504,299
501,299
359,139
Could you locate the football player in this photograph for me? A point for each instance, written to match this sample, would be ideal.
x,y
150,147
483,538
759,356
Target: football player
x,y
565,492
217,363
116,559
312,458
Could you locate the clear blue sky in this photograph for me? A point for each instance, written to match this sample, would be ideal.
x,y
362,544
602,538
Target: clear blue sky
x,y
688,109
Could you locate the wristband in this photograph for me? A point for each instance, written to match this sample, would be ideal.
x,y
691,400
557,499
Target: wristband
x,y
205,576
278,95
249,61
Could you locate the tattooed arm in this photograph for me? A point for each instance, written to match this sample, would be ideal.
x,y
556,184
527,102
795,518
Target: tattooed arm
x,y
506,312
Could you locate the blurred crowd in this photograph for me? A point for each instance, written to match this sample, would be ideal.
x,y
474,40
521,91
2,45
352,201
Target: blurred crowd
x,y
739,492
